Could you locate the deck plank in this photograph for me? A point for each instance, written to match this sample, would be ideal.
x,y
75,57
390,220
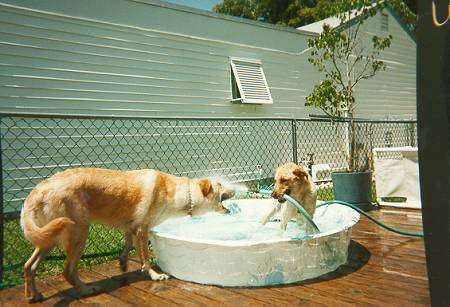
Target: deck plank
x,y
123,292
12,297
221,295
383,268
384,290
218,294
166,289
271,296
310,296
67,294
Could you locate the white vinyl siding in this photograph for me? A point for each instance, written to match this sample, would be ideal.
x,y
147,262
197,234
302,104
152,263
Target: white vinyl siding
x,y
128,58
250,83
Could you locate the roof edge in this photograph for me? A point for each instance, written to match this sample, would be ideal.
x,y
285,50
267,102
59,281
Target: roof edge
x,y
196,11
354,19
402,23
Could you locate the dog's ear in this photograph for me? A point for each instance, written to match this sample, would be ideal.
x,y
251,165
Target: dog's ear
x,y
205,186
300,173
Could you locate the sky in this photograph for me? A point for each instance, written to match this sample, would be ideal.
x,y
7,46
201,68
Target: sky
x,y
199,4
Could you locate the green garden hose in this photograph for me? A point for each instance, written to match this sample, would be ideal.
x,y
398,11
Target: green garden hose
x,y
308,218
398,231
297,206
7,284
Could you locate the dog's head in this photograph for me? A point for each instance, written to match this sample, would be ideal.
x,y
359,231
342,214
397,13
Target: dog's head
x,y
213,193
290,179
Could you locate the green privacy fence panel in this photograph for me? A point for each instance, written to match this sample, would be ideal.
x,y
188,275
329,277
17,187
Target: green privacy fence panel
x,y
237,150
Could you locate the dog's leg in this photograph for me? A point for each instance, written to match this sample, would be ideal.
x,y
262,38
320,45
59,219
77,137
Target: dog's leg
x,y
270,213
123,259
310,207
75,244
142,250
137,245
30,267
287,214
302,221
30,288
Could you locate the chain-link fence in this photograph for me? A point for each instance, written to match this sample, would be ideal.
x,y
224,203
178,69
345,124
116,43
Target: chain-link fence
x,y
237,150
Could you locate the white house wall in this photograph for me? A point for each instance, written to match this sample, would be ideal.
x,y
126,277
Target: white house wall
x,y
113,58
121,57
391,94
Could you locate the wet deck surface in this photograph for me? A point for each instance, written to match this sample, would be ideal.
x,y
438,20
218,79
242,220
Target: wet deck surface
x,y
383,269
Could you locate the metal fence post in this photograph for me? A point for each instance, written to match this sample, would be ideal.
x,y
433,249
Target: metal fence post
x,y
310,162
2,218
294,141
412,134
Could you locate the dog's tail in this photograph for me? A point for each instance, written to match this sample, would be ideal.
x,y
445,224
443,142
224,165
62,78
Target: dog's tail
x,y
41,236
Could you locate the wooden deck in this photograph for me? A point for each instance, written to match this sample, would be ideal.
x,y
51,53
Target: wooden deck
x,y
383,269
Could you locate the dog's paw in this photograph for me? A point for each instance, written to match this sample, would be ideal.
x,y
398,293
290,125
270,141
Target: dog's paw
x,y
156,276
38,297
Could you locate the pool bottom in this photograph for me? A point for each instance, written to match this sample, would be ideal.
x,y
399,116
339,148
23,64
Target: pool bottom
x,y
244,263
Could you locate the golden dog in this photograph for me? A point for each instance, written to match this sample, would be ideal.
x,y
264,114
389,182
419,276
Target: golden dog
x,y
59,210
294,181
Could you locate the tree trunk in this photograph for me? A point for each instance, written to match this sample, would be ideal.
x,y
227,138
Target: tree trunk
x,y
352,143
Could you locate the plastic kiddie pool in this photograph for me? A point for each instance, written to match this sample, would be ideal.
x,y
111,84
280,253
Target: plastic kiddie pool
x,y
235,250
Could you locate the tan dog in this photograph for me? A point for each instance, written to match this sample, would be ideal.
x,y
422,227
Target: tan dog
x,y
294,181
59,210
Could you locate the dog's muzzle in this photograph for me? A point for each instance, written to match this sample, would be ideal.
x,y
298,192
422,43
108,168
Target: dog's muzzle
x,y
224,209
280,197
226,195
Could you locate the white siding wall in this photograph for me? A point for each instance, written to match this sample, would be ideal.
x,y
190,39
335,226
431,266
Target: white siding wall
x,y
111,57
391,94
122,57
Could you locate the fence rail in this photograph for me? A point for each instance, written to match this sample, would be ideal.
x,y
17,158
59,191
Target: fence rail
x,y
238,150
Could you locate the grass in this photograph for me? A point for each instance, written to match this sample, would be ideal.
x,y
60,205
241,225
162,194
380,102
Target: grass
x,y
327,194
17,250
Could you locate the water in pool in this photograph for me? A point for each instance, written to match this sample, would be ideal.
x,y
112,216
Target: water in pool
x,y
243,224
225,227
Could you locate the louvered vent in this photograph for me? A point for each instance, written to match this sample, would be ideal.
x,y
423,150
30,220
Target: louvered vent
x,y
249,82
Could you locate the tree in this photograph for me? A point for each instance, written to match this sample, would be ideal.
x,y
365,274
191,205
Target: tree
x,y
296,13
344,59
293,13
407,10
238,8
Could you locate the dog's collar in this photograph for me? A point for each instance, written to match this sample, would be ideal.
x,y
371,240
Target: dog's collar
x,y
190,205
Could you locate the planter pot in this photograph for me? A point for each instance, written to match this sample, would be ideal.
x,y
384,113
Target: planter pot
x,y
354,188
